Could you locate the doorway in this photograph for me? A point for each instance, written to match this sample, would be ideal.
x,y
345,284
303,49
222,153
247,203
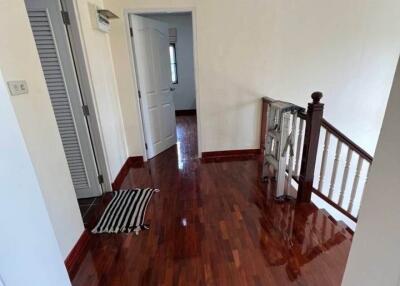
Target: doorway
x,y
72,105
164,61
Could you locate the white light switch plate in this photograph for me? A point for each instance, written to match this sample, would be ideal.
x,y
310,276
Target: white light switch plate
x,y
17,87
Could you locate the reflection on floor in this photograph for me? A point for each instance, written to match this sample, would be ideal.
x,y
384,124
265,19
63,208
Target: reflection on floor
x,y
215,224
186,133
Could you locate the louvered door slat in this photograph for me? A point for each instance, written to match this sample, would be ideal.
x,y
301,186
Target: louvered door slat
x,y
58,94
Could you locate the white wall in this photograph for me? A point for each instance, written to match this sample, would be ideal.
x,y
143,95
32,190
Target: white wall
x,y
29,253
375,252
281,49
185,92
19,60
103,84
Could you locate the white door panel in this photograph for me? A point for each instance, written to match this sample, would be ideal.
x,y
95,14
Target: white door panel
x,y
168,127
152,100
151,44
155,132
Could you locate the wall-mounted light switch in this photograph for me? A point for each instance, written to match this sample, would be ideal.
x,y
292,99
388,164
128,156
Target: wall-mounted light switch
x,y
17,87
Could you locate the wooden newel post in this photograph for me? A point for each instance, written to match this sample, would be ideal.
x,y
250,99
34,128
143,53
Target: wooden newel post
x,y
310,148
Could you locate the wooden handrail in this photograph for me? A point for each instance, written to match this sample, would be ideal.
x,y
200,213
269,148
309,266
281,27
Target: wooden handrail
x,y
343,138
302,115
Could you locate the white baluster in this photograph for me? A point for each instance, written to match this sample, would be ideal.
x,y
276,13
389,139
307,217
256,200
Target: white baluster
x,y
324,159
355,184
298,147
345,176
335,166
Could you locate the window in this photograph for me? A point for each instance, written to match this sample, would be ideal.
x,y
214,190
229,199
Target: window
x,y
172,57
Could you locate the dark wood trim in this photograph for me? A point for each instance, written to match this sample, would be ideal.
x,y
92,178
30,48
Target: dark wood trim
x,y
328,215
185,112
333,130
131,162
243,154
348,229
75,256
310,148
333,204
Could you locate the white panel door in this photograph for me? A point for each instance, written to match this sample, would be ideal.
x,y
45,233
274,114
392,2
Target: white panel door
x,y
151,47
58,67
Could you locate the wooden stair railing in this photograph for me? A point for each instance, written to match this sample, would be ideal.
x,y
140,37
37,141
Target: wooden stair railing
x,y
311,127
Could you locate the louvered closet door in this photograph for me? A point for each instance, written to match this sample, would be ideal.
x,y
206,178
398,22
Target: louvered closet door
x,y
55,56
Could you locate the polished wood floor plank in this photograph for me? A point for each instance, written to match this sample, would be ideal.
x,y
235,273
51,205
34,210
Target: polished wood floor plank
x,y
214,224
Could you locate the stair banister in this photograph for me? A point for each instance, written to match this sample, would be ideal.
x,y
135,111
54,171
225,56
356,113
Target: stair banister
x,y
346,184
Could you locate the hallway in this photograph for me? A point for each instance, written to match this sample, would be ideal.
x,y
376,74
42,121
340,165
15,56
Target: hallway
x,y
214,224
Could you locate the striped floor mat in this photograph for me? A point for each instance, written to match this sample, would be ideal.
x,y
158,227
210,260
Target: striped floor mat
x,y
125,212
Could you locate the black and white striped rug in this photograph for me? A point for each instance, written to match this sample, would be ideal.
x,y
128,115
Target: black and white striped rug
x,y
125,212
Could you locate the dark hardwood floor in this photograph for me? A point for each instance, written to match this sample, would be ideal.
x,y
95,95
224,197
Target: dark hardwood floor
x,y
214,224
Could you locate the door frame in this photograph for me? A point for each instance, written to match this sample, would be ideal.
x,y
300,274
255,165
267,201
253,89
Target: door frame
x,y
79,57
192,10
